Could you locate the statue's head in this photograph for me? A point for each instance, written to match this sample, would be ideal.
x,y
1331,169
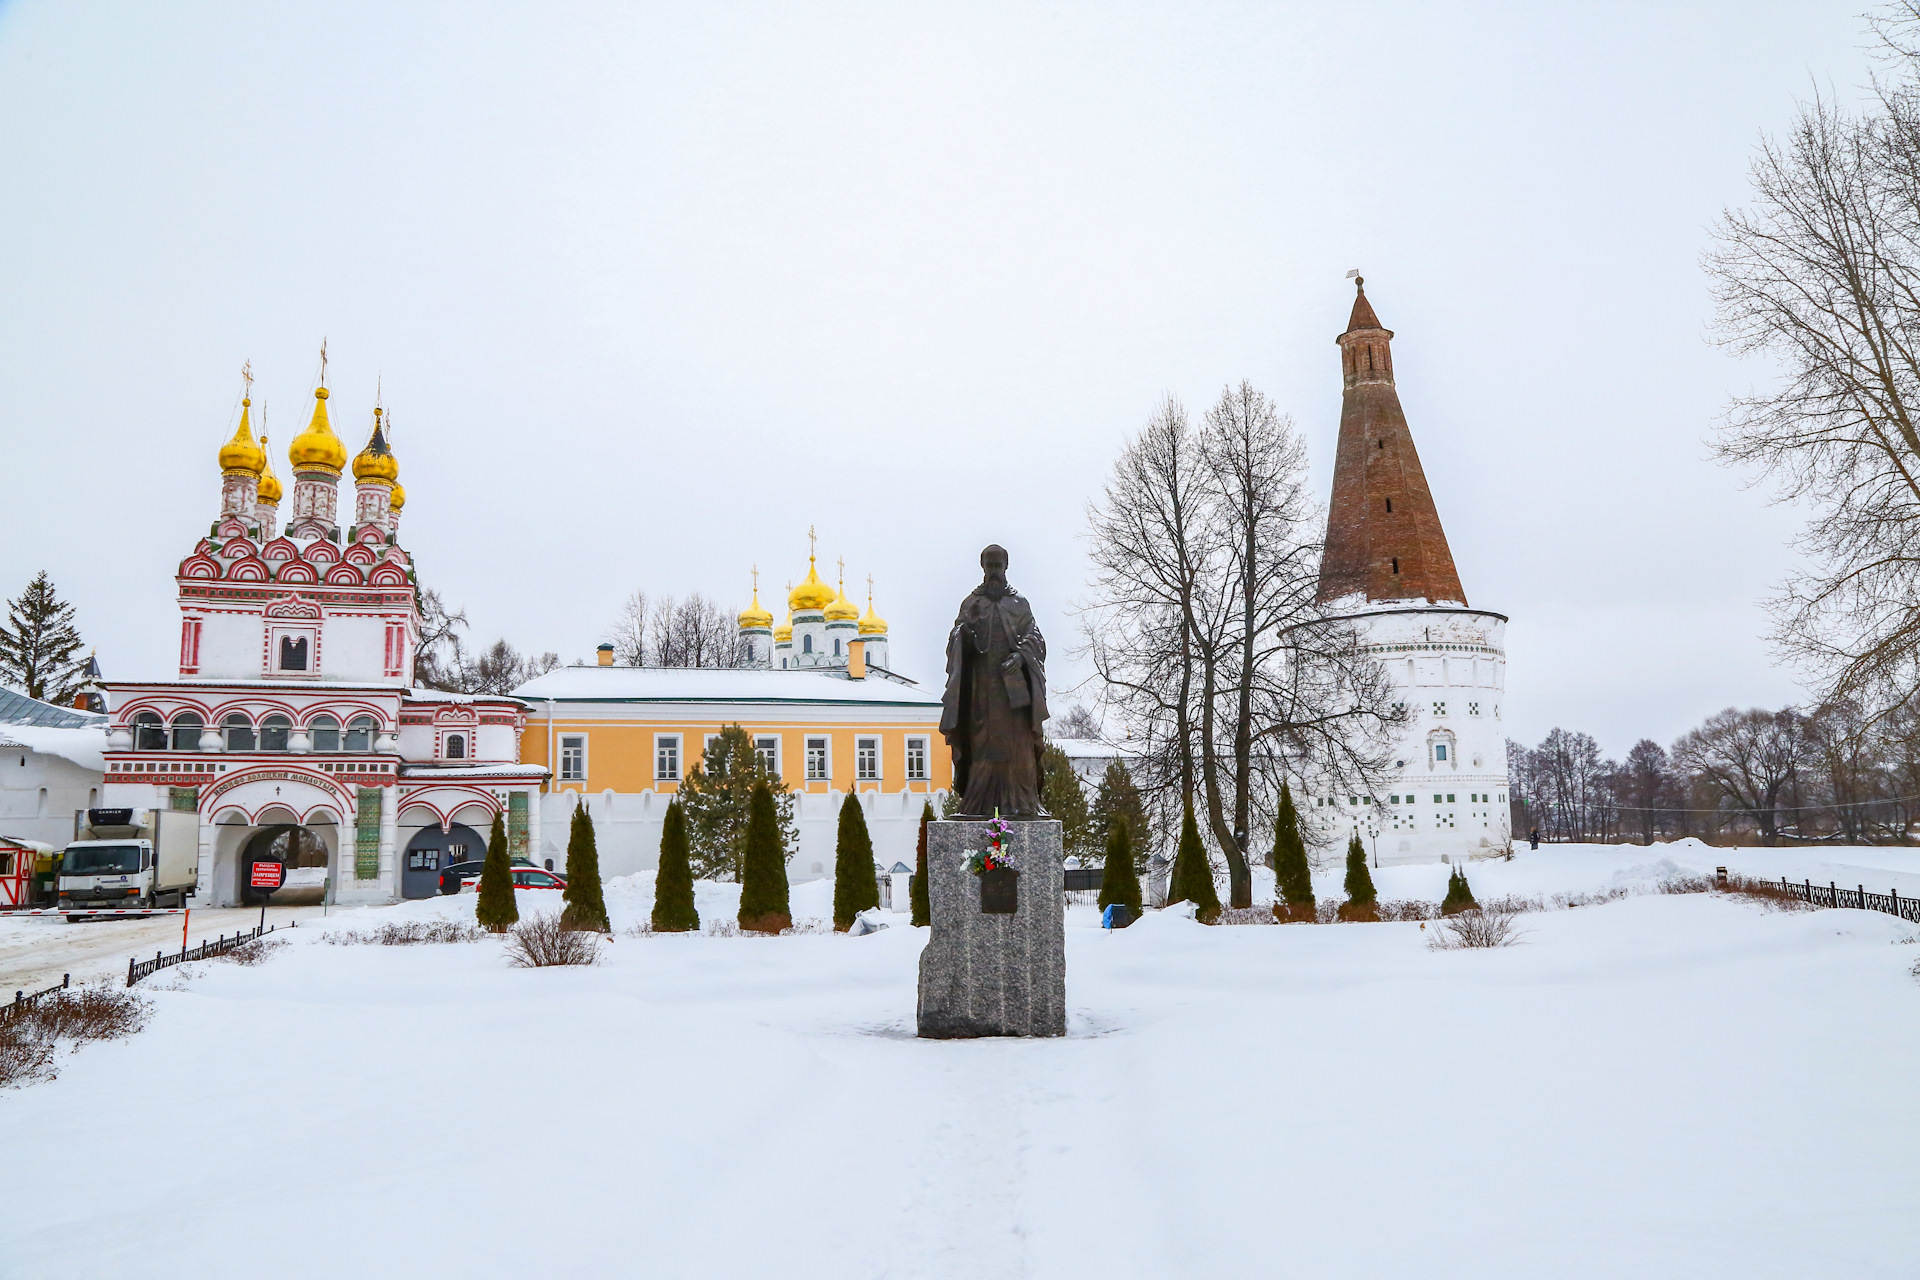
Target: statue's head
x,y
994,561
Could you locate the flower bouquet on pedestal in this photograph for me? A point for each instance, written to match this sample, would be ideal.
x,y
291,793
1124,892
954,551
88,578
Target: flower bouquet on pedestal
x,y
999,877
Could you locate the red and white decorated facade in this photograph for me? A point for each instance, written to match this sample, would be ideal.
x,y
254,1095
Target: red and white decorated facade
x,y
294,709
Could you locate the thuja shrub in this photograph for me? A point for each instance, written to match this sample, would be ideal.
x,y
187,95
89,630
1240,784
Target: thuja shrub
x,y
495,910
1192,876
1362,902
1292,877
856,887
585,897
764,906
546,941
673,909
1459,895
917,884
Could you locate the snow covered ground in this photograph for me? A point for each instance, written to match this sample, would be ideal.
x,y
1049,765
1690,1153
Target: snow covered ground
x,y
1661,1086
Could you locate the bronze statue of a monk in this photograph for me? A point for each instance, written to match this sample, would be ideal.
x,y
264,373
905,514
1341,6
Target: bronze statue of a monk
x,y
996,698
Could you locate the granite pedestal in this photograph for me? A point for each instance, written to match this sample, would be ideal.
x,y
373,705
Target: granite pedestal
x,y
992,973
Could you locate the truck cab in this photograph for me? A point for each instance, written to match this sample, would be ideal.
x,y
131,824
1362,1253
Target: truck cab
x,y
129,859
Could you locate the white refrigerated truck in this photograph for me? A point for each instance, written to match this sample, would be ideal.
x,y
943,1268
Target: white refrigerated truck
x,y
129,859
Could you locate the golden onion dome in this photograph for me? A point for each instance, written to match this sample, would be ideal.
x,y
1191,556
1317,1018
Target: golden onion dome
x,y
872,624
842,609
753,616
269,491
783,634
376,464
812,594
399,498
240,456
317,448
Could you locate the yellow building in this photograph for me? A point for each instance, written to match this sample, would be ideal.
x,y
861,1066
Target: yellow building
x,y
624,738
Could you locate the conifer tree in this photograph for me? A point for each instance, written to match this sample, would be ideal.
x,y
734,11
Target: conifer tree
x,y
1362,901
673,909
496,910
1118,798
1292,877
39,645
917,885
1066,802
1120,882
585,897
1459,895
855,887
764,907
1192,878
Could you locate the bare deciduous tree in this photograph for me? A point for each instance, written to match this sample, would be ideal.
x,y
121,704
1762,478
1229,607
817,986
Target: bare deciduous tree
x,y
1821,273
1748,758
1205,627
695,632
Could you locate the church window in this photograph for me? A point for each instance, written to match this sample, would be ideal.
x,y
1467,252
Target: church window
x,y
1393,799
666,757
1439,708
456,745
768,750
1389,504
293,653
1473,708
916,759
148,733
866,759
273,733
806,644
186,731
573,758
239,732
1449,799
836,646
326,733
360,734
1353,799
816,760
1439,751
1396,564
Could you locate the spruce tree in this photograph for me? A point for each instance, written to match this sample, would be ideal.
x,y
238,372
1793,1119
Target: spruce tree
x,y
1118,798
1292,877
855,888
1120,882
917,885
1192,878
39,645
763,875
1066,802
1362,901
585,897
1459,895
673,909
496,910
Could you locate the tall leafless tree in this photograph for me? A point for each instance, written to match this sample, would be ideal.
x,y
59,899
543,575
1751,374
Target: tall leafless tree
x,y
664,632
1205,626
1821,274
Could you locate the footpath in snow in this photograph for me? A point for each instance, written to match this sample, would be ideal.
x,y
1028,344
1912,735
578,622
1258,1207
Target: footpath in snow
x,y
1659,1086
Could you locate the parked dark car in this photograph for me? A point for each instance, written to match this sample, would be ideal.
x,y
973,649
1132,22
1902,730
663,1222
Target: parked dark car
x,y
451,876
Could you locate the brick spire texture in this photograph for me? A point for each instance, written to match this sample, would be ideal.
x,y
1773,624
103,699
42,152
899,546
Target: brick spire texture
x,y
1384,539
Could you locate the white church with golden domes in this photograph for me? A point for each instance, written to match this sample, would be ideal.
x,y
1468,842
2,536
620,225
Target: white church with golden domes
x,y
292,728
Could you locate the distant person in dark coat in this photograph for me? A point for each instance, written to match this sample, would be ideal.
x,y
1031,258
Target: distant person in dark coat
x,y
1533,838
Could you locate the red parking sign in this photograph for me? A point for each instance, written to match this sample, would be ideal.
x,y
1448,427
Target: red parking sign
x,y
266,875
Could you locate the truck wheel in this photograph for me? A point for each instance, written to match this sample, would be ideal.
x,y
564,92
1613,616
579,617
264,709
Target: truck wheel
x,y
75,919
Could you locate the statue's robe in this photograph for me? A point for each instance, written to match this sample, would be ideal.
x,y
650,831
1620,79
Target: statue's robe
x,y
995,704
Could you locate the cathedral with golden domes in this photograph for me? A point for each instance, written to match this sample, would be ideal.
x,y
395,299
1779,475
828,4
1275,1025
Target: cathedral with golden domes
x,y
824,630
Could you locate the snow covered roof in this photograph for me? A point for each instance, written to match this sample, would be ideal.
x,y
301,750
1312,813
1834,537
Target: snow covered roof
x,y
85,747
481,771
687,684
18,708
423,694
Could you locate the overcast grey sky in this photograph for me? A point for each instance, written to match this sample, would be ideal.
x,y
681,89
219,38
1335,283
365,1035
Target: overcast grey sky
x,y
654,288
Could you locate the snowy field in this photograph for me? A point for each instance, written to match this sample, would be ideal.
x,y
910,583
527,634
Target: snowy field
x,y
1660,1086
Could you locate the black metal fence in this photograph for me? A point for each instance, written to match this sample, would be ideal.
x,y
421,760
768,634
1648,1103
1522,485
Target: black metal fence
x,y
138,969
1831,895
22,1002
1083,879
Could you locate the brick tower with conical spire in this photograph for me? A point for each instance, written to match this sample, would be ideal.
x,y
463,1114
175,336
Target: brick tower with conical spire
x,y
1384,539
1387,568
